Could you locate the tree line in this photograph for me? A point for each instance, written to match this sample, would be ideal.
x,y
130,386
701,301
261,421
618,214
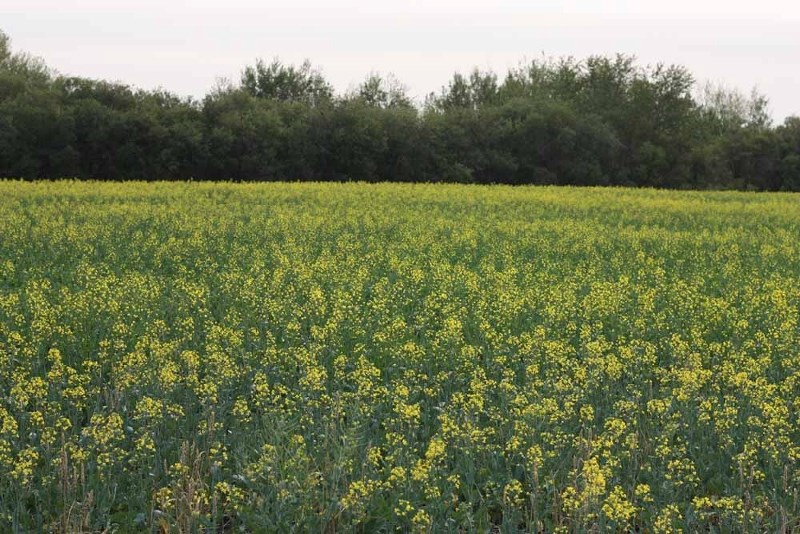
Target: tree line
x,y
597,121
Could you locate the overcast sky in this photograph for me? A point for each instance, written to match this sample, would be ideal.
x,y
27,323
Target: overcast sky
x,y
183,46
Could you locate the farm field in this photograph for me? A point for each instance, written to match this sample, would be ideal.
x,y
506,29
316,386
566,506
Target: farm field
x,y
353,357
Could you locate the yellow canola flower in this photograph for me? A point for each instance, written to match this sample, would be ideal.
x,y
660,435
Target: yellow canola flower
x,y
403,357
617,507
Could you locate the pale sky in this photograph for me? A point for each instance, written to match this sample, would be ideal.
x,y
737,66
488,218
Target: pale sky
x,y
184,46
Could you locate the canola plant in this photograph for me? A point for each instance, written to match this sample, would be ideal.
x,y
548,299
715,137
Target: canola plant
x,y
434,358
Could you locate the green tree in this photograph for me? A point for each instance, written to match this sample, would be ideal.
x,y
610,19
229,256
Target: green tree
x,y
383,92
287,83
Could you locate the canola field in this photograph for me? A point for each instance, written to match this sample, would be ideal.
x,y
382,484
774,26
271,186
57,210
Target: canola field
x,y
184,357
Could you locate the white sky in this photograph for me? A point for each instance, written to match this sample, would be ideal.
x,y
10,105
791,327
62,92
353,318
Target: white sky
x,y
184,46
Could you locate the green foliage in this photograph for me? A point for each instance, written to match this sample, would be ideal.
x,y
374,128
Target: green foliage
x,y
602,120
383,92
287,83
